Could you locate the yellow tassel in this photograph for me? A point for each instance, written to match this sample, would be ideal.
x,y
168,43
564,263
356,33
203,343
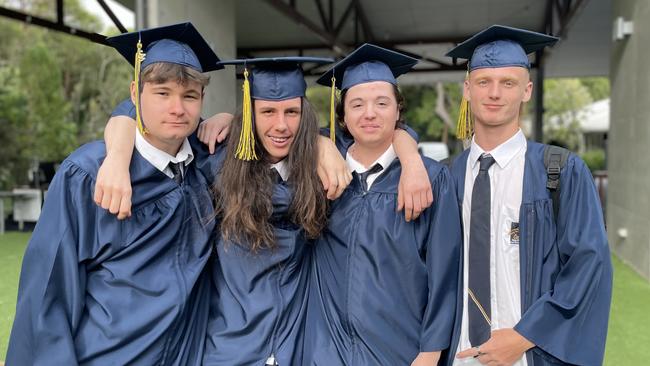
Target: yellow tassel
x,y
246,146
464,128
139,57
333,93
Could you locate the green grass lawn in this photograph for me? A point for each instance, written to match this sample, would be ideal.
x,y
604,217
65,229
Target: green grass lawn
x,y
627,340
629,322
12,246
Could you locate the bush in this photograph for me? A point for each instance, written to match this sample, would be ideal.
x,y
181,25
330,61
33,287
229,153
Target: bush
x,y
595,159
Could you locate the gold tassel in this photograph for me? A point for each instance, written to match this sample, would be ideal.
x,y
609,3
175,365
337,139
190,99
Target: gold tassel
x,y
332,95
139,57
464,127
246,146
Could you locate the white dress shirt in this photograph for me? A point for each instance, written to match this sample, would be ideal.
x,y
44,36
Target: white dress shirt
x,y
506,185
384,160
160,159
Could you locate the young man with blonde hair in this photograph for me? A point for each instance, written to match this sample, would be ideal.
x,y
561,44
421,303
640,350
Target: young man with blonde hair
x,y
537,271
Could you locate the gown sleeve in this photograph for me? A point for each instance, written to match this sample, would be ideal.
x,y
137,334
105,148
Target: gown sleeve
x,y
443,263
51,293
569,322
208,164
125,108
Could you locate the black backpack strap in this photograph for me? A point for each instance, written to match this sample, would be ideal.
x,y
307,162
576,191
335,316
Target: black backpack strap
x,y
555,159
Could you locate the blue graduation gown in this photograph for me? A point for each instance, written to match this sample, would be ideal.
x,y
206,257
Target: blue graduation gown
x,y
566,270
261,298
383,289
95,290
259,302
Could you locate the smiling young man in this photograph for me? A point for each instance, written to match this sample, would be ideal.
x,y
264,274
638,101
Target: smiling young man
x,y
537,282
277,123
97,290
383,289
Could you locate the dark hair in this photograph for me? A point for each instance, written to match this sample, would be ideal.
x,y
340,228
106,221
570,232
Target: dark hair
x,y
340,108
244,189
162,72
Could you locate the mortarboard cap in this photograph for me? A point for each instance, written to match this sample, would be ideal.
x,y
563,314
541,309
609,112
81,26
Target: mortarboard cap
x,y
274,79
277,78
179,44
501,46
366,64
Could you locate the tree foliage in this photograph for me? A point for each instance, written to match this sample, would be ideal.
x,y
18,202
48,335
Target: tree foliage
x,y
56,90
598,87
563,98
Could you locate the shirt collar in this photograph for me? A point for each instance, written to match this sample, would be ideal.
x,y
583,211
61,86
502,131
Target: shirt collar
x,y
159,158
384,160
503,153
282,169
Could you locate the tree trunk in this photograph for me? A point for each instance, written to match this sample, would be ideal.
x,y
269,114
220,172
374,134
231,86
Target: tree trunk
x,y
441,111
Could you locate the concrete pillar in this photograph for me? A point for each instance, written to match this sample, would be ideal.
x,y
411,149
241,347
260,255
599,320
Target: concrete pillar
x,y
216,22
628,196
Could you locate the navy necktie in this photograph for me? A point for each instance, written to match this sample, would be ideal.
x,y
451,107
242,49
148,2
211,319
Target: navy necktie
x,y
275,176
478,304
363,177
176,171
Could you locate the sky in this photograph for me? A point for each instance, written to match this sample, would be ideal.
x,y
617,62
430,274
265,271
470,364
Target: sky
x,y
126,16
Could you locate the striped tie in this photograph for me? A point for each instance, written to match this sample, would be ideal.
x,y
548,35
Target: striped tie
x,y
479,309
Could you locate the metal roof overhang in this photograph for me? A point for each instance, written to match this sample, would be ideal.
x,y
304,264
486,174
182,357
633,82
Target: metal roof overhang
x,y
425,28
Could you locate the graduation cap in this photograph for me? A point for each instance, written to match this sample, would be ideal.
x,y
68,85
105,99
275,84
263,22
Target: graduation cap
x,y
178,44
494,47
501,46
366,64
271,78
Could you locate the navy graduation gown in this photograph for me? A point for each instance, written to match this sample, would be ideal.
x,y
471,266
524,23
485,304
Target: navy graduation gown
x,y
259,302
566,270
383,289
261,298
95,290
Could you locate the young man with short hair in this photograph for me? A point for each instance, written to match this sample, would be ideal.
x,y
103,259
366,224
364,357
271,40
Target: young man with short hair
x,y
97,290
537,282
383,289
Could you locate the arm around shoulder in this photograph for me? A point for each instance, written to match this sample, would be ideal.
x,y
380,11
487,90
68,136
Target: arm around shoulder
x,y
113,186
414,190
